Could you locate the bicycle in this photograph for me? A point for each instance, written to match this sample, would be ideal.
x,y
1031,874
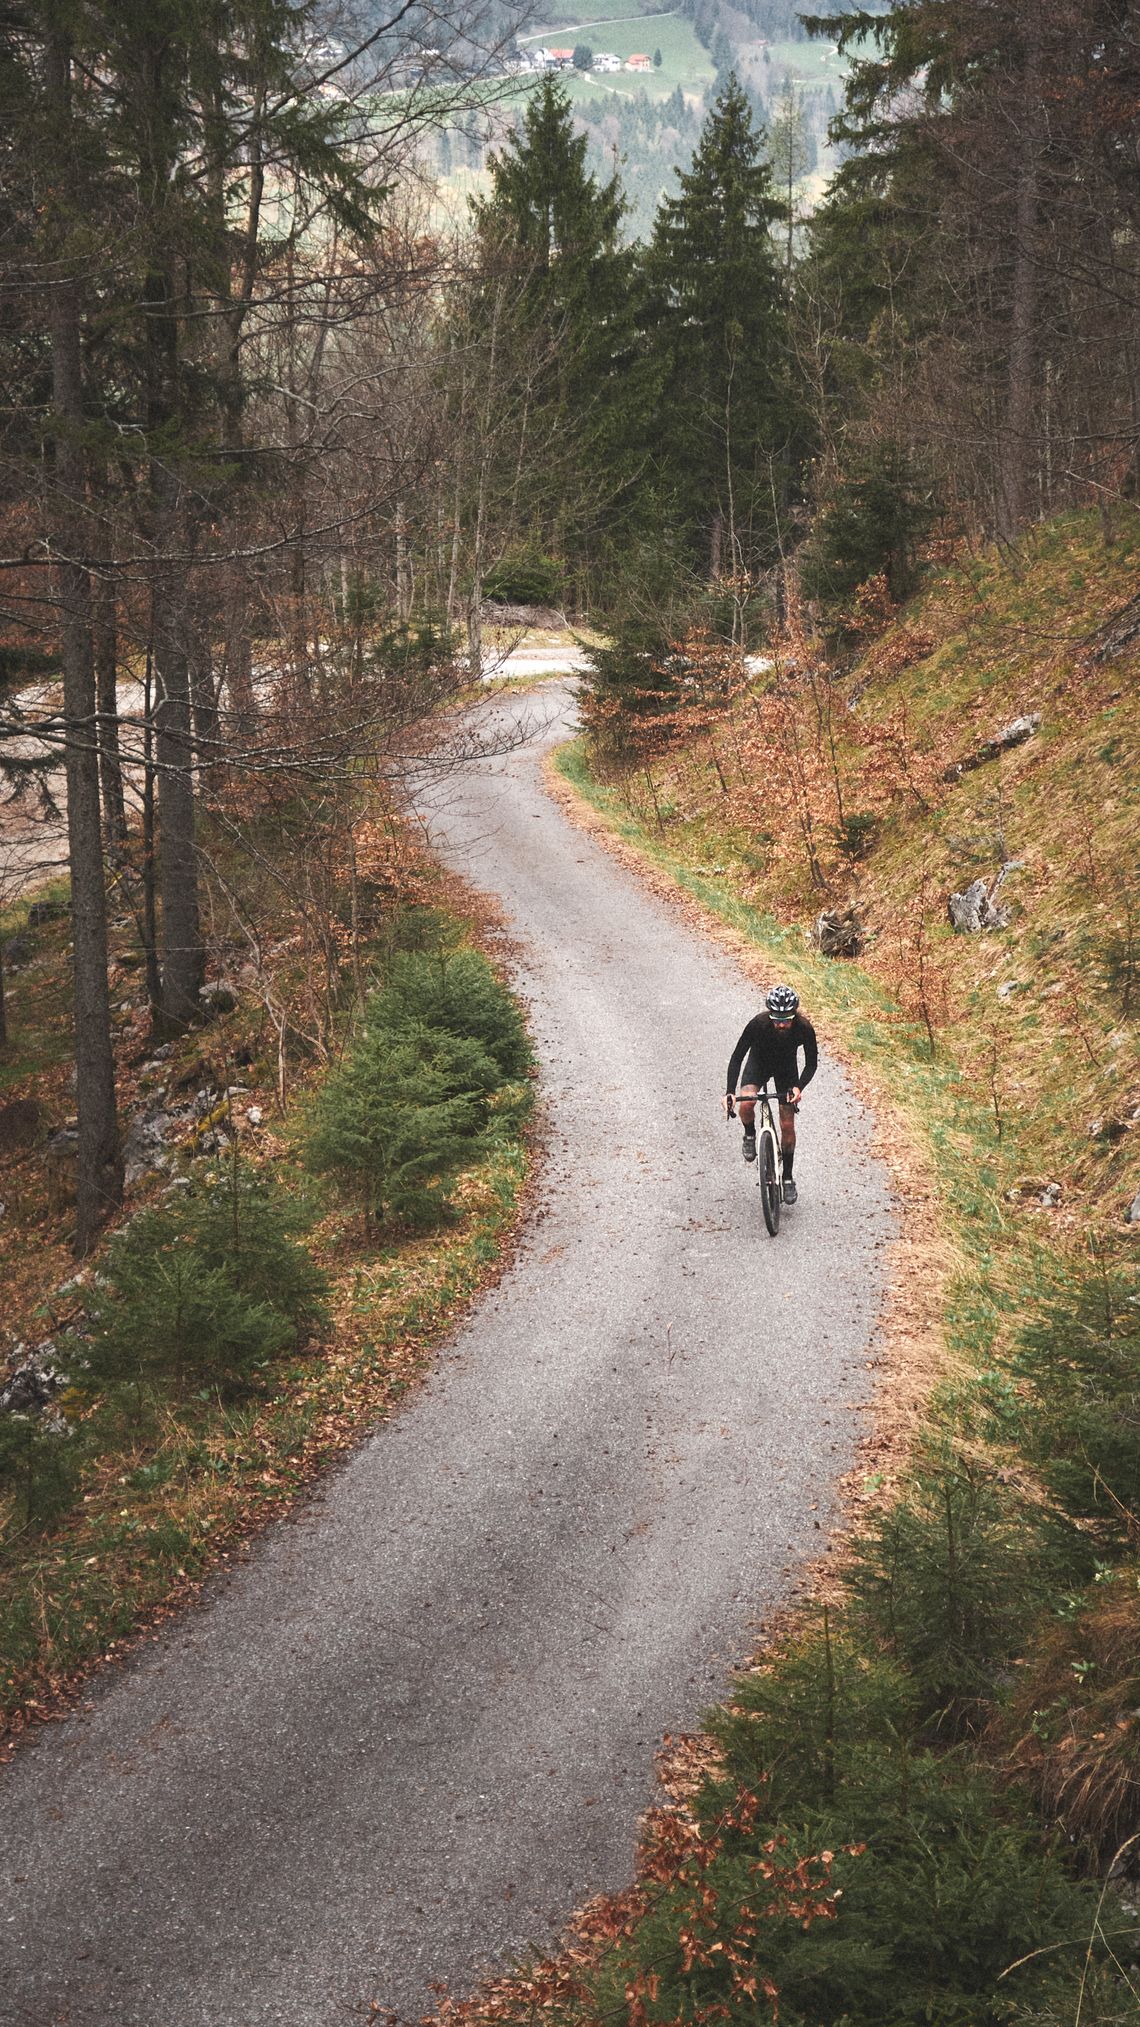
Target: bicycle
x,y
769,1156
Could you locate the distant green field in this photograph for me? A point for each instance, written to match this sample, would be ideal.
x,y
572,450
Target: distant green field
x,y
557,18
806,63
684,61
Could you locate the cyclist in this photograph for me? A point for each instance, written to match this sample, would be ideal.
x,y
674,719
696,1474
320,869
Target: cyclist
x,y
771,1044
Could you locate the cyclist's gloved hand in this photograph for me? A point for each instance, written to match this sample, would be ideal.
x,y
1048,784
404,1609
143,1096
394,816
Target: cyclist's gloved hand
x,y
729,1104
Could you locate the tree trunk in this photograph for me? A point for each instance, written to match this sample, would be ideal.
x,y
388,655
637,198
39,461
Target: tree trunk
x,y
1013,486
183,958
106,651
403,568
239,657
150,895
99,1169
716,534
475,632
203,698
182,961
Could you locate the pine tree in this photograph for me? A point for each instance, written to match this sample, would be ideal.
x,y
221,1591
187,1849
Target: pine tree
x,y
728,421
551,305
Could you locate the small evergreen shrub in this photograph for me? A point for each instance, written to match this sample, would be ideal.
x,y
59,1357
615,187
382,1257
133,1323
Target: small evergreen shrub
x,y
402,1117
950,1577
1080,1353
456,992
241,1223
428,1080
414,646
871,526
200,1292
39,1473
799,1729
525,579
942,1880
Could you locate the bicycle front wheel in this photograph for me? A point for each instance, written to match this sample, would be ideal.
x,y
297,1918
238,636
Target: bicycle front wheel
x,y
769,1166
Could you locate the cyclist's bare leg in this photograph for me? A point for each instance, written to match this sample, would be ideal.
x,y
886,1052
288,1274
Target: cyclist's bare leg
x,y
746,1106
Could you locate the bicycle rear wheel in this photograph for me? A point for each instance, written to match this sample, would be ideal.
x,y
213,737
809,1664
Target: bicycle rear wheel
x,y
769,1174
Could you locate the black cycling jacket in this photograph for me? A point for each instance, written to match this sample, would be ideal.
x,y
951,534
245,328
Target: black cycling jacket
x,y
772,1056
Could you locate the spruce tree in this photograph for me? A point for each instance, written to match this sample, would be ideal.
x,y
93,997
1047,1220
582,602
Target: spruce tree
x,y
551,267
728,424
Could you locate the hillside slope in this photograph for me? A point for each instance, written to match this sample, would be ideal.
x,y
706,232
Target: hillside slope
x,y
875,789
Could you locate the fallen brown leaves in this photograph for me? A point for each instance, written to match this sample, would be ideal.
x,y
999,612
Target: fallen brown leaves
x,y
676,1856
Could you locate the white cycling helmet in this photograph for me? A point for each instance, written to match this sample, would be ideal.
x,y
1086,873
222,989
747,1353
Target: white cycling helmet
x,y
782,1002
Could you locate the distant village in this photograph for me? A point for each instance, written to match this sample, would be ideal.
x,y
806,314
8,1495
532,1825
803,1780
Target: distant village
x,y
419,62
563,59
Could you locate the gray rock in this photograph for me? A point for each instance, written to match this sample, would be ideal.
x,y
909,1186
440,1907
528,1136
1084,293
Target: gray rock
x,y
977,907
967,910
840,933
1014,734
1050,1196
1133,1217
218,998
144,1150
35,1381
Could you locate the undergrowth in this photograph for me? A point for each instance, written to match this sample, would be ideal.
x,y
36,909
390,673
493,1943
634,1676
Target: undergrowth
x,y
238,1333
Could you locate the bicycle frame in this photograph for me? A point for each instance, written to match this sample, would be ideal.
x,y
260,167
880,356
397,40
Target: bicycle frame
x,y
769,1153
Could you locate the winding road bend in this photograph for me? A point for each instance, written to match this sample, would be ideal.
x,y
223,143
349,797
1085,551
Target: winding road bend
x,y
417,1727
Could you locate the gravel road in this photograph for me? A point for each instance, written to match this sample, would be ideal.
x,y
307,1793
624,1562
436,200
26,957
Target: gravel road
x,y
417,1727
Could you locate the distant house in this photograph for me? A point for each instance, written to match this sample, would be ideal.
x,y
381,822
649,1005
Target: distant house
x,y
639,63
604,59
562,59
